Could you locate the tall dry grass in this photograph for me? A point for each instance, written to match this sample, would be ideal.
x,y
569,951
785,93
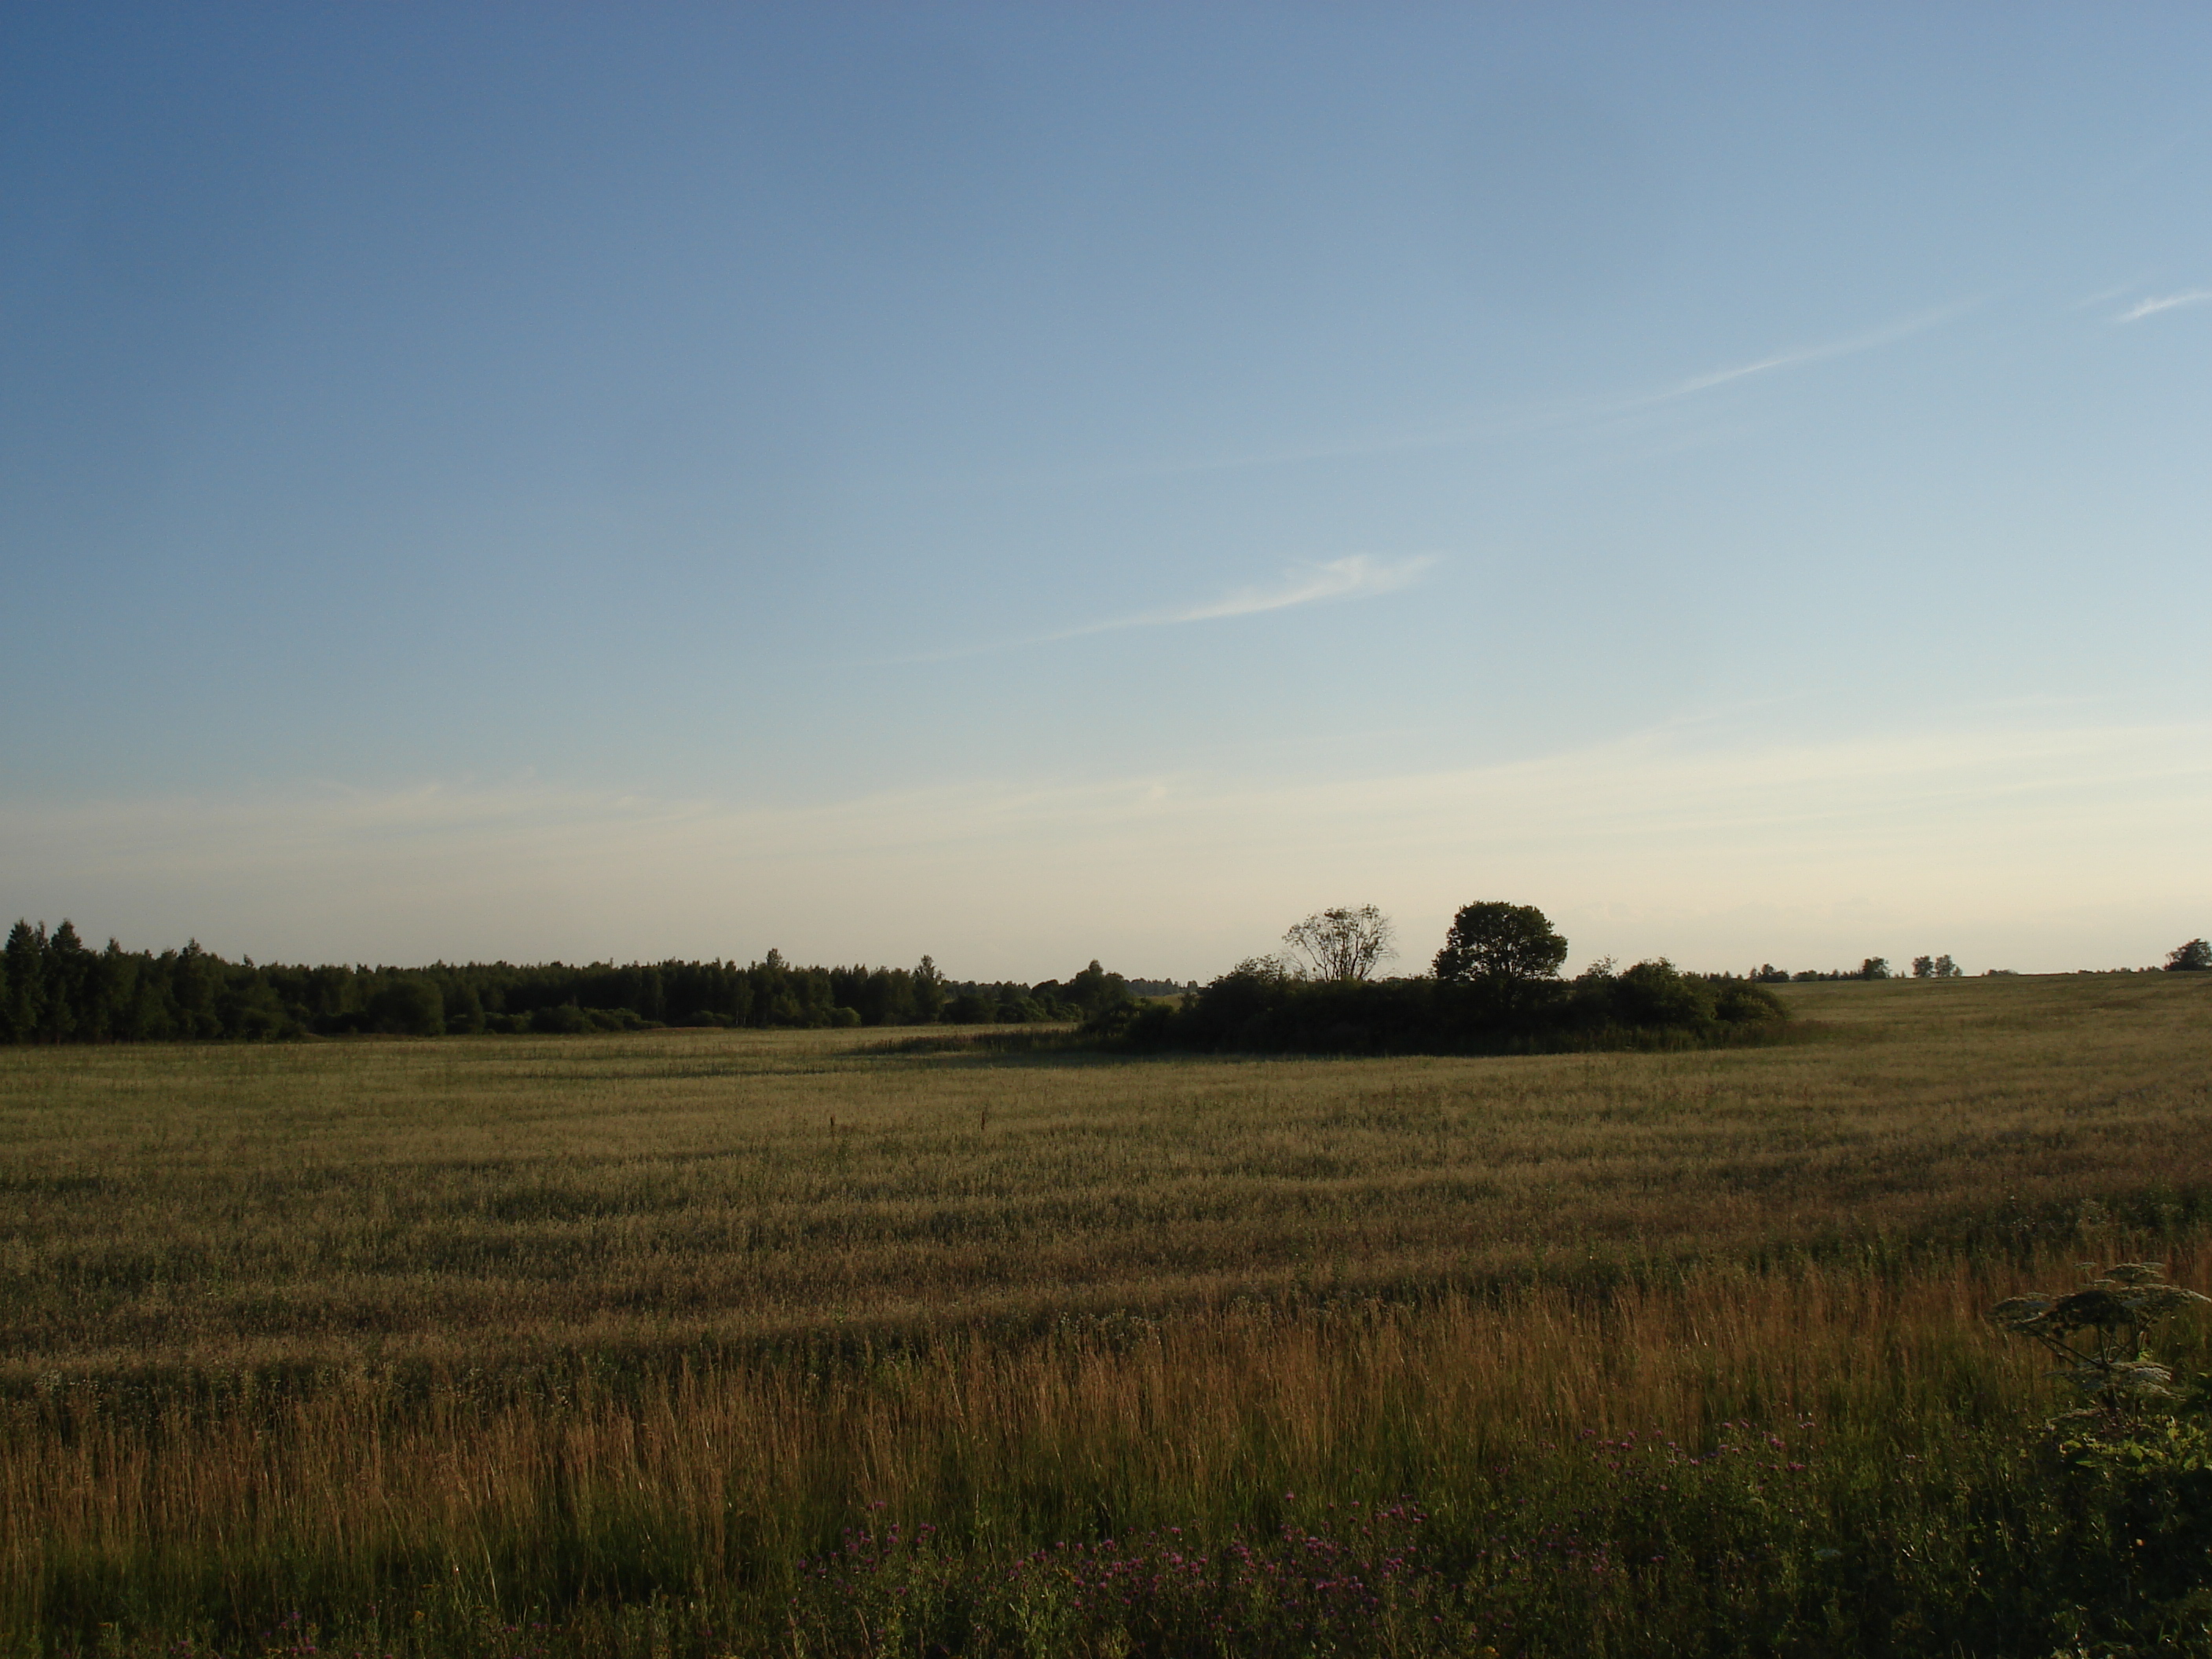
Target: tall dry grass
x,y
708,1489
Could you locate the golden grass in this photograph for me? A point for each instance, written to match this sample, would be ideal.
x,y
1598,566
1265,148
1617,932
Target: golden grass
x,y
477,1200
1160,1419
714,1486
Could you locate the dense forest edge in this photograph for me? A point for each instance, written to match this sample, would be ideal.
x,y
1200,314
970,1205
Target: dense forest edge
x,y
55,989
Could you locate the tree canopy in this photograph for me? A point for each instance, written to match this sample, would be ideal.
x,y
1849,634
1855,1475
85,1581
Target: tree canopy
x,y
1499,942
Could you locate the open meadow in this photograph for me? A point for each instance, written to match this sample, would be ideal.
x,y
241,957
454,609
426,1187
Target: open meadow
x,y
736,1341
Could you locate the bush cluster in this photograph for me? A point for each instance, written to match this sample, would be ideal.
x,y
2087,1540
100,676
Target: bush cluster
x,y
1257,1008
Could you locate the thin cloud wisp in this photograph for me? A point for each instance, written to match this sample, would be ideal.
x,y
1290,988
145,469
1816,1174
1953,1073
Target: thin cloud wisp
x,y
1339,579
2142,308
1816,354
1356,576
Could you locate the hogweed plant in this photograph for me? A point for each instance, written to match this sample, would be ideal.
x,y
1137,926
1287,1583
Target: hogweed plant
x,y
2100,1334
2131,1467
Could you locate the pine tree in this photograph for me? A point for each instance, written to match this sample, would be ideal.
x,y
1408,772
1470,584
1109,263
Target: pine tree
x,y
25,1001
928,992
66,969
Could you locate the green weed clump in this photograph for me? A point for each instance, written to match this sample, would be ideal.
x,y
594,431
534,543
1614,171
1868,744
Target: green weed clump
x,y
2130,1468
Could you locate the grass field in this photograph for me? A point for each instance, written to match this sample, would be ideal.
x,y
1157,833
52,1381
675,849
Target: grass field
x,y
645,1343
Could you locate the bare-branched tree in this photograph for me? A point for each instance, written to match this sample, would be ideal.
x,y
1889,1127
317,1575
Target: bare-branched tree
x,y
1342,943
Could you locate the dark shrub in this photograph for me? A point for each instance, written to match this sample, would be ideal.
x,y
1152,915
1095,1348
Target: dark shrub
x,y
1738,1003
971,1008
408,1008
1657,993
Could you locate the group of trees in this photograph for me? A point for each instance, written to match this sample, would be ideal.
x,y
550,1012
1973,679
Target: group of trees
x,y
55,989
1872,968
2196,956
1493,985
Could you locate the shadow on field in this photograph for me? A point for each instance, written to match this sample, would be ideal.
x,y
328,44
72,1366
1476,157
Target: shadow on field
x,y
1055,1046
1068,1046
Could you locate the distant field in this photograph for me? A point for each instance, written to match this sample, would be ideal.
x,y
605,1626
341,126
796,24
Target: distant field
x,y
470,1199
591,1332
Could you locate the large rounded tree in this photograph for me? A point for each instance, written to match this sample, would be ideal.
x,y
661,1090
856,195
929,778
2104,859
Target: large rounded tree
x,y
1500,942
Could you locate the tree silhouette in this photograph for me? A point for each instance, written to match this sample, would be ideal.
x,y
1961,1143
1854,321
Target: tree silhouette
x,y
1342,943
1503,944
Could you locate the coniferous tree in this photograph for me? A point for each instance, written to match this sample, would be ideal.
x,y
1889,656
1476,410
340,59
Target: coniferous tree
x,y
192,975
116,977
53,989
928,992
24,955
66,971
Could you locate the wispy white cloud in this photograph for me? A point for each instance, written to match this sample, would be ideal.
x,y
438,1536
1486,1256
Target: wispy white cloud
x,y
2142,308
1356,576
2107,295
1339,579
1558,415
1803,356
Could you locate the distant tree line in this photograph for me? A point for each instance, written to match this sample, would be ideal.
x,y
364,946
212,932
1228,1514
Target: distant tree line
x,y
55,989
1494,986
1872,968
2193,956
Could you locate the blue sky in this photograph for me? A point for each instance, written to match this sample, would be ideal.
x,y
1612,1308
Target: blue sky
x,y
1032,482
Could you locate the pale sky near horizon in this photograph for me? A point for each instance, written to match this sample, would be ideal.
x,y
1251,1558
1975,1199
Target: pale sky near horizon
x,y
1029,483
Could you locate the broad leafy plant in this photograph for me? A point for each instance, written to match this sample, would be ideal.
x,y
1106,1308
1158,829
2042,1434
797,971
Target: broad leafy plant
x,y
2126,1572
2100,1334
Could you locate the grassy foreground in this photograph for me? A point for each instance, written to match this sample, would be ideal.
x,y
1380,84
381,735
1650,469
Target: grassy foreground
x,y
729,1342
